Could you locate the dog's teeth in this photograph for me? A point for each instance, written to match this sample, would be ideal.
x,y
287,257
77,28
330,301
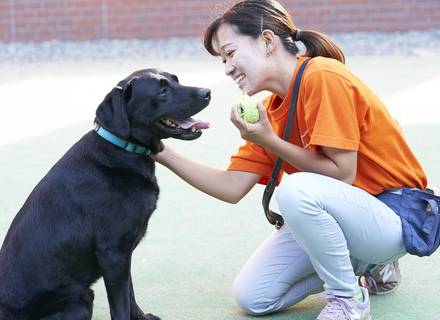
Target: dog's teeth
x,y
171,124
168,123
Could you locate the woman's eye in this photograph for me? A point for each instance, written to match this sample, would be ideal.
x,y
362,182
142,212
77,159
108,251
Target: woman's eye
x,y
228,54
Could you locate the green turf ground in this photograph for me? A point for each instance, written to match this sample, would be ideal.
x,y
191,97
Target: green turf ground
x,y
195,244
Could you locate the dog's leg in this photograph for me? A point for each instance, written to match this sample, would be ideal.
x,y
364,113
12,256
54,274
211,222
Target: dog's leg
x,y
77,312
117,279
136,312
116,273
74,302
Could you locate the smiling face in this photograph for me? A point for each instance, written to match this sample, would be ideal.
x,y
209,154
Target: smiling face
x,y
245,59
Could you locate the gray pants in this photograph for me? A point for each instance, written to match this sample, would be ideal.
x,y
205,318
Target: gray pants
x,y
333,231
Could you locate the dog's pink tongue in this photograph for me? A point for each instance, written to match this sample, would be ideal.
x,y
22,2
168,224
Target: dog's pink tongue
x,y
190,122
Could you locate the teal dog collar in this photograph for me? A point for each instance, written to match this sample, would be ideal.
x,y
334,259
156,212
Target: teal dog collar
x,y
124,144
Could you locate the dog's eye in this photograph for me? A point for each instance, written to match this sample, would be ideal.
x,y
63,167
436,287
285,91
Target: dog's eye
x,y
164,87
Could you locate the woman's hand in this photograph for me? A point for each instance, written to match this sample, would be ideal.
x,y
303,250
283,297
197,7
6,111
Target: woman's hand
x,y
337,163
161,156
260,133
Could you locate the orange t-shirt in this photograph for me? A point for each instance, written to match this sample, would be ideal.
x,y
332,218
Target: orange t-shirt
x,y
336,109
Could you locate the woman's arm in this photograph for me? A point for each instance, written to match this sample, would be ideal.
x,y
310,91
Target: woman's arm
x,y
337,163
225,185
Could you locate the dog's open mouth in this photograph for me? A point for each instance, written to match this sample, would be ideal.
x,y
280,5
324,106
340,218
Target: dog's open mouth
x,y
186,129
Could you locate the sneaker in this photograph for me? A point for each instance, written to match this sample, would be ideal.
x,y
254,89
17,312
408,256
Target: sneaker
x,y
382,278
340,308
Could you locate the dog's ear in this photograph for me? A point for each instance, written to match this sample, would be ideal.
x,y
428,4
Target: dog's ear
x,y
112,114
127,91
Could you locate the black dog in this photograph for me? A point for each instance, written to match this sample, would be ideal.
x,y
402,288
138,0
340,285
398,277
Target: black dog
x,y
87,215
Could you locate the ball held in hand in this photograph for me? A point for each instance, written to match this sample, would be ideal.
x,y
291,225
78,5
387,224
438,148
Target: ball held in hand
x,y
247,108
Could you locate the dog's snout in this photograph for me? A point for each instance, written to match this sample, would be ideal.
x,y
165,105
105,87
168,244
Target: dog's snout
x,y
205,94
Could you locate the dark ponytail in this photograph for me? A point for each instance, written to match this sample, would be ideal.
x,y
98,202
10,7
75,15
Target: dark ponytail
x,y
318,44
252,17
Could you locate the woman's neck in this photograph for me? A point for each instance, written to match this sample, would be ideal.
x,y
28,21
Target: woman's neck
x,y
283,68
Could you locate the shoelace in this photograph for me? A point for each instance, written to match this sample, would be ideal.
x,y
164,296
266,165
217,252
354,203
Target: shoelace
x,y
337,304
369,280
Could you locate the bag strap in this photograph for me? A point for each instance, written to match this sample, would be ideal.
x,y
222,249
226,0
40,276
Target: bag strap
x,y
273,217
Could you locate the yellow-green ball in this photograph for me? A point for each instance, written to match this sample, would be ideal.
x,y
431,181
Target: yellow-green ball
x,y
247,109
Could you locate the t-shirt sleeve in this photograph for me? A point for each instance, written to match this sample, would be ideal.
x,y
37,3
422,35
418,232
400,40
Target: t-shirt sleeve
x,y
251,158
334,110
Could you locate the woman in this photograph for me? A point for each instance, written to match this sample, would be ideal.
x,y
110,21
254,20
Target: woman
x,y
345,148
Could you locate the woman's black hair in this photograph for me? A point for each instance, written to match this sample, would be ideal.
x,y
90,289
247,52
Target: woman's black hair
x,y
252,17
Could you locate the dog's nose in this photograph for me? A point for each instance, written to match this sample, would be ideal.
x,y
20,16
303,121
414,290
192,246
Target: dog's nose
x,y
205,94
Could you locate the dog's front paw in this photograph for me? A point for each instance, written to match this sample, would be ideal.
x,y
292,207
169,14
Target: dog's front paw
x,y
150,316
142,316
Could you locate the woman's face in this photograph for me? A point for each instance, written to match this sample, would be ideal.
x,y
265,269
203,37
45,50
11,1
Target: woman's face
x,y
245,59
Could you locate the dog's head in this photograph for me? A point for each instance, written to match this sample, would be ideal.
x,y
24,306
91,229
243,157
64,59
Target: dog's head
x,y
150,105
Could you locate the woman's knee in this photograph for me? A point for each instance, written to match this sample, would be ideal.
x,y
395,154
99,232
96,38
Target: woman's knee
x,y
245,300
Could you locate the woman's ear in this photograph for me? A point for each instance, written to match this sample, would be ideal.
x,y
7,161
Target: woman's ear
x,y
269,40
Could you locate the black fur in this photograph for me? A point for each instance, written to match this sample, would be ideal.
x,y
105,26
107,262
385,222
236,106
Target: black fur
x,y
86,216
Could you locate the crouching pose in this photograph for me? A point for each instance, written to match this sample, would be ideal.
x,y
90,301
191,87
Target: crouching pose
x,y
344,149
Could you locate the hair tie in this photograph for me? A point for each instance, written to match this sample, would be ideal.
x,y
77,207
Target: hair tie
x,y
297,34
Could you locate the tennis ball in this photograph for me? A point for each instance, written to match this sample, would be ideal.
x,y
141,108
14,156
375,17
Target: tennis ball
x,y
247,108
